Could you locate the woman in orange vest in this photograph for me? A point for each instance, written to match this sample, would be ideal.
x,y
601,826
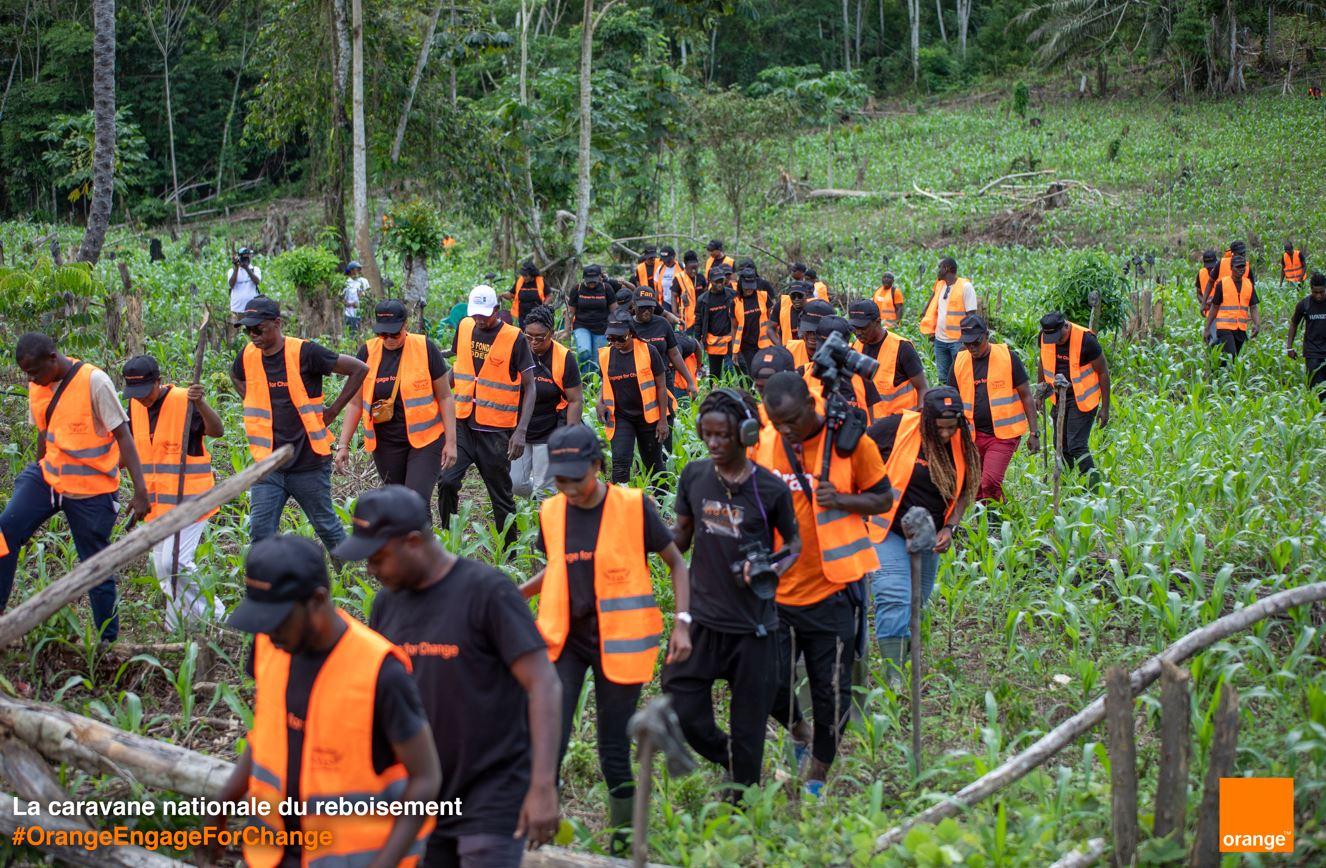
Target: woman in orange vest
x,y
1070,350
631,405
1233,313
596,600
527,293
1293,264
156,415
932,463
410,423
559,400
889,299
951,299
674,288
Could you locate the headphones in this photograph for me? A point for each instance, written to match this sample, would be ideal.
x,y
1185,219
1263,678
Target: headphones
x,y
748,430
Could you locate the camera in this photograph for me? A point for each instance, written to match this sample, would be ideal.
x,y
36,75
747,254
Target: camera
x,y
835,364
835,357
763,578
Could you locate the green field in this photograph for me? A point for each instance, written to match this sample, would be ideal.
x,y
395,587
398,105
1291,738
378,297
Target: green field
x,y
1214,494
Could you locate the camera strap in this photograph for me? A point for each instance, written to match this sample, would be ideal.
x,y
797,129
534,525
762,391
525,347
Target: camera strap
x,y
798,470
59,390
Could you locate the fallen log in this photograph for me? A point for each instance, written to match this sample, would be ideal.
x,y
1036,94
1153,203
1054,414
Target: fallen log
x,y
557,857
1084,857
125,857
1015,767
46,602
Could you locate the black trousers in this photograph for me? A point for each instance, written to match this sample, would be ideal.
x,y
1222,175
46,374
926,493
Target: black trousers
x,y
614,705
749,664
1231,343
416,469
487,451
633,431
1077,438
1316,368
824,634
716,365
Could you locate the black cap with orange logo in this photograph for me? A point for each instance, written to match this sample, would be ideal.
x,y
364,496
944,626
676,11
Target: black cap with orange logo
x,y
279,571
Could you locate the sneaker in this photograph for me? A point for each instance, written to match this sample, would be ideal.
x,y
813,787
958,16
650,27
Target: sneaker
x,y
814,789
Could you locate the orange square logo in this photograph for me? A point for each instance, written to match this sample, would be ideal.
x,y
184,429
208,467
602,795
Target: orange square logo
x,y
1256,815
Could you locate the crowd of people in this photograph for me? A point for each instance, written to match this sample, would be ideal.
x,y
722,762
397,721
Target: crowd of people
x,y
820,431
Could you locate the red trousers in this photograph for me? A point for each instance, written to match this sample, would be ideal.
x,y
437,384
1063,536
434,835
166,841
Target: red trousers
x,y
995,455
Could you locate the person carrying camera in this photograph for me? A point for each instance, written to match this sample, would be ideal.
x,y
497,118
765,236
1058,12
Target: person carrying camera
x,y
818,607
900,378
736,514
243,280
596,600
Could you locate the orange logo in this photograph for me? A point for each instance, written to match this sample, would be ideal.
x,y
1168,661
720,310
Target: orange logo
x,y
1256,815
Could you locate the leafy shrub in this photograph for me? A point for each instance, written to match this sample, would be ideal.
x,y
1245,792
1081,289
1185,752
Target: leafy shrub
x,y
941,70
307,269
1070,292
71,139
413,229
61,300
817,97
1021,96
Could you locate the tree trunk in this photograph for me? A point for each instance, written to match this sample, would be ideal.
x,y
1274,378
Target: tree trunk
x,y
170,130
363,238
419,65
964,19
451,52
340,48
939,13
1268,47
583,155
245,44
535,213
103,149
859,12
847,36
914,23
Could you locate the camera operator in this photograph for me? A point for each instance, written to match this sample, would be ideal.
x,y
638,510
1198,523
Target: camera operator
x,y
243,280
735,512
856,385
820,598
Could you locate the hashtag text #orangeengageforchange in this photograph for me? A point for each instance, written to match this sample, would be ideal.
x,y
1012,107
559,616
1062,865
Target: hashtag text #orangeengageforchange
x,y
169,839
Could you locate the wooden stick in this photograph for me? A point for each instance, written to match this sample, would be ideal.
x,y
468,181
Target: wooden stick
x,y
1172,785
1016,767
1003,178
1224,744
640,812
915,643
15,625
1095,848
184,453
557,857
1123,764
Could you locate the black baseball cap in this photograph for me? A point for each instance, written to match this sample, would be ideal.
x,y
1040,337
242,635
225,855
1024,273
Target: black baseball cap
x,y
798,287
716,244
943,401
862,313
667,250
799,266
389,317
773,359
748,276
1237,247
1051,323
974,327
593,271
1209,256
381,515
245,251
279,572
690,256
811,314
619,323
829,324
645,296
571,449
259,310
141,373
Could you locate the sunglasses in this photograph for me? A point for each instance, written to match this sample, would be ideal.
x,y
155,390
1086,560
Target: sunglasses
x,y
393,335
618,339
255,330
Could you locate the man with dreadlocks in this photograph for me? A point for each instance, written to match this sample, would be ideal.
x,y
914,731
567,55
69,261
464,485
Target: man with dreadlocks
x,y
730,508
932,462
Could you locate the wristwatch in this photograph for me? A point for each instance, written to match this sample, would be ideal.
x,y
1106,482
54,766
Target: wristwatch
x,y
685,618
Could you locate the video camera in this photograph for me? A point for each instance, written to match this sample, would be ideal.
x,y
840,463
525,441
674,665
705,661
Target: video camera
x,y
835,363
763,578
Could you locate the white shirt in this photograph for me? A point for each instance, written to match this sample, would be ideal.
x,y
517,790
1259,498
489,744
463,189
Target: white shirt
x,y
354,286
961,287
665,278
244,289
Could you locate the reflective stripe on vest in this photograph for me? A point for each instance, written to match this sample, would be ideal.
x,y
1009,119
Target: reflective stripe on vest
x,y
258,402
78,460
644,376
515,294
892,399
739,321
952,326
901,465
338,730
492,391
1293,266
630,624
887,300
160,453
1086,383
1234,306
423,414
1007,415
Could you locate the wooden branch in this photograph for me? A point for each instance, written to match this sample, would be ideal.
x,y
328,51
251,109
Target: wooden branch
x,y
1003,178
1224,744
15,624
930,195
1123,764
1015,767
1095,848
832,193
1172,785
557,857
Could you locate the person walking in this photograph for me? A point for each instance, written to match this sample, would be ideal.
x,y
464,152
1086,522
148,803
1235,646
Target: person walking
x,y
244,279
646,265
649,327
634,384
820,287
596,601
83,439
406,405
1234,313
860,392
791,306
527,293
729,511
951,299
689,348
1073,351
1311,312
558,400
997,400
156,417
1293,265
932,462
889,299
488,690
587,309
280,379
356,289
900,377
713,319
818,610
674,287
335,716
715,256
752,319
1207,276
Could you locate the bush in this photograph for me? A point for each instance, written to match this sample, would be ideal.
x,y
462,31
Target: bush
x,y
1071,292
311,271
941,71
413,229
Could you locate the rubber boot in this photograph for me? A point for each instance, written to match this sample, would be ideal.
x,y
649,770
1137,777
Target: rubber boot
x,y
621,811
893,656
859,667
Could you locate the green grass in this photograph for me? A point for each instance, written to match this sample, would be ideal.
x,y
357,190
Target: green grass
x,y
1214,496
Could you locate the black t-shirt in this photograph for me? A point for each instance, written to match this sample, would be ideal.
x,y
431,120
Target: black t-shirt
x,y
752,314
528,295
463,634
1313,315
722,521
547,418
715,309
660,335
909,361
315,362
196,425
394,431
481,341
687,345
591,304
920,490
980,371
1090,352
794,317
625,386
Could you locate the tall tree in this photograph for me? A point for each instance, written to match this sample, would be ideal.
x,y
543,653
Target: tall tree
x,y
103,148
165,24
588,23
363,236
424,50
847,37
964,19
914,25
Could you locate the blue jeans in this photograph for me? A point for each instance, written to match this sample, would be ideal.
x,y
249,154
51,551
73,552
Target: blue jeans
x,y
311,489
945,353
588,345
891,586
91,520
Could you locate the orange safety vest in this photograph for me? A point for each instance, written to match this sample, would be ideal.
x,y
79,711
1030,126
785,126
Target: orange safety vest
x,y
515,294
1234,305
839,539
1225,263
644,271
816,387
1086,383
683,288
258,402
644,375
693,363
1292,263
901,465
4,545
1006,410
630,624
821,290
160,453
710,261
952,326
892,399
337,753
559,354
423,413
800,355
888,300
785,329
493,392
78,460
739,320
1204,283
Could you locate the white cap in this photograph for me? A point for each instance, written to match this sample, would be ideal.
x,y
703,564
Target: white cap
x,y
483,301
